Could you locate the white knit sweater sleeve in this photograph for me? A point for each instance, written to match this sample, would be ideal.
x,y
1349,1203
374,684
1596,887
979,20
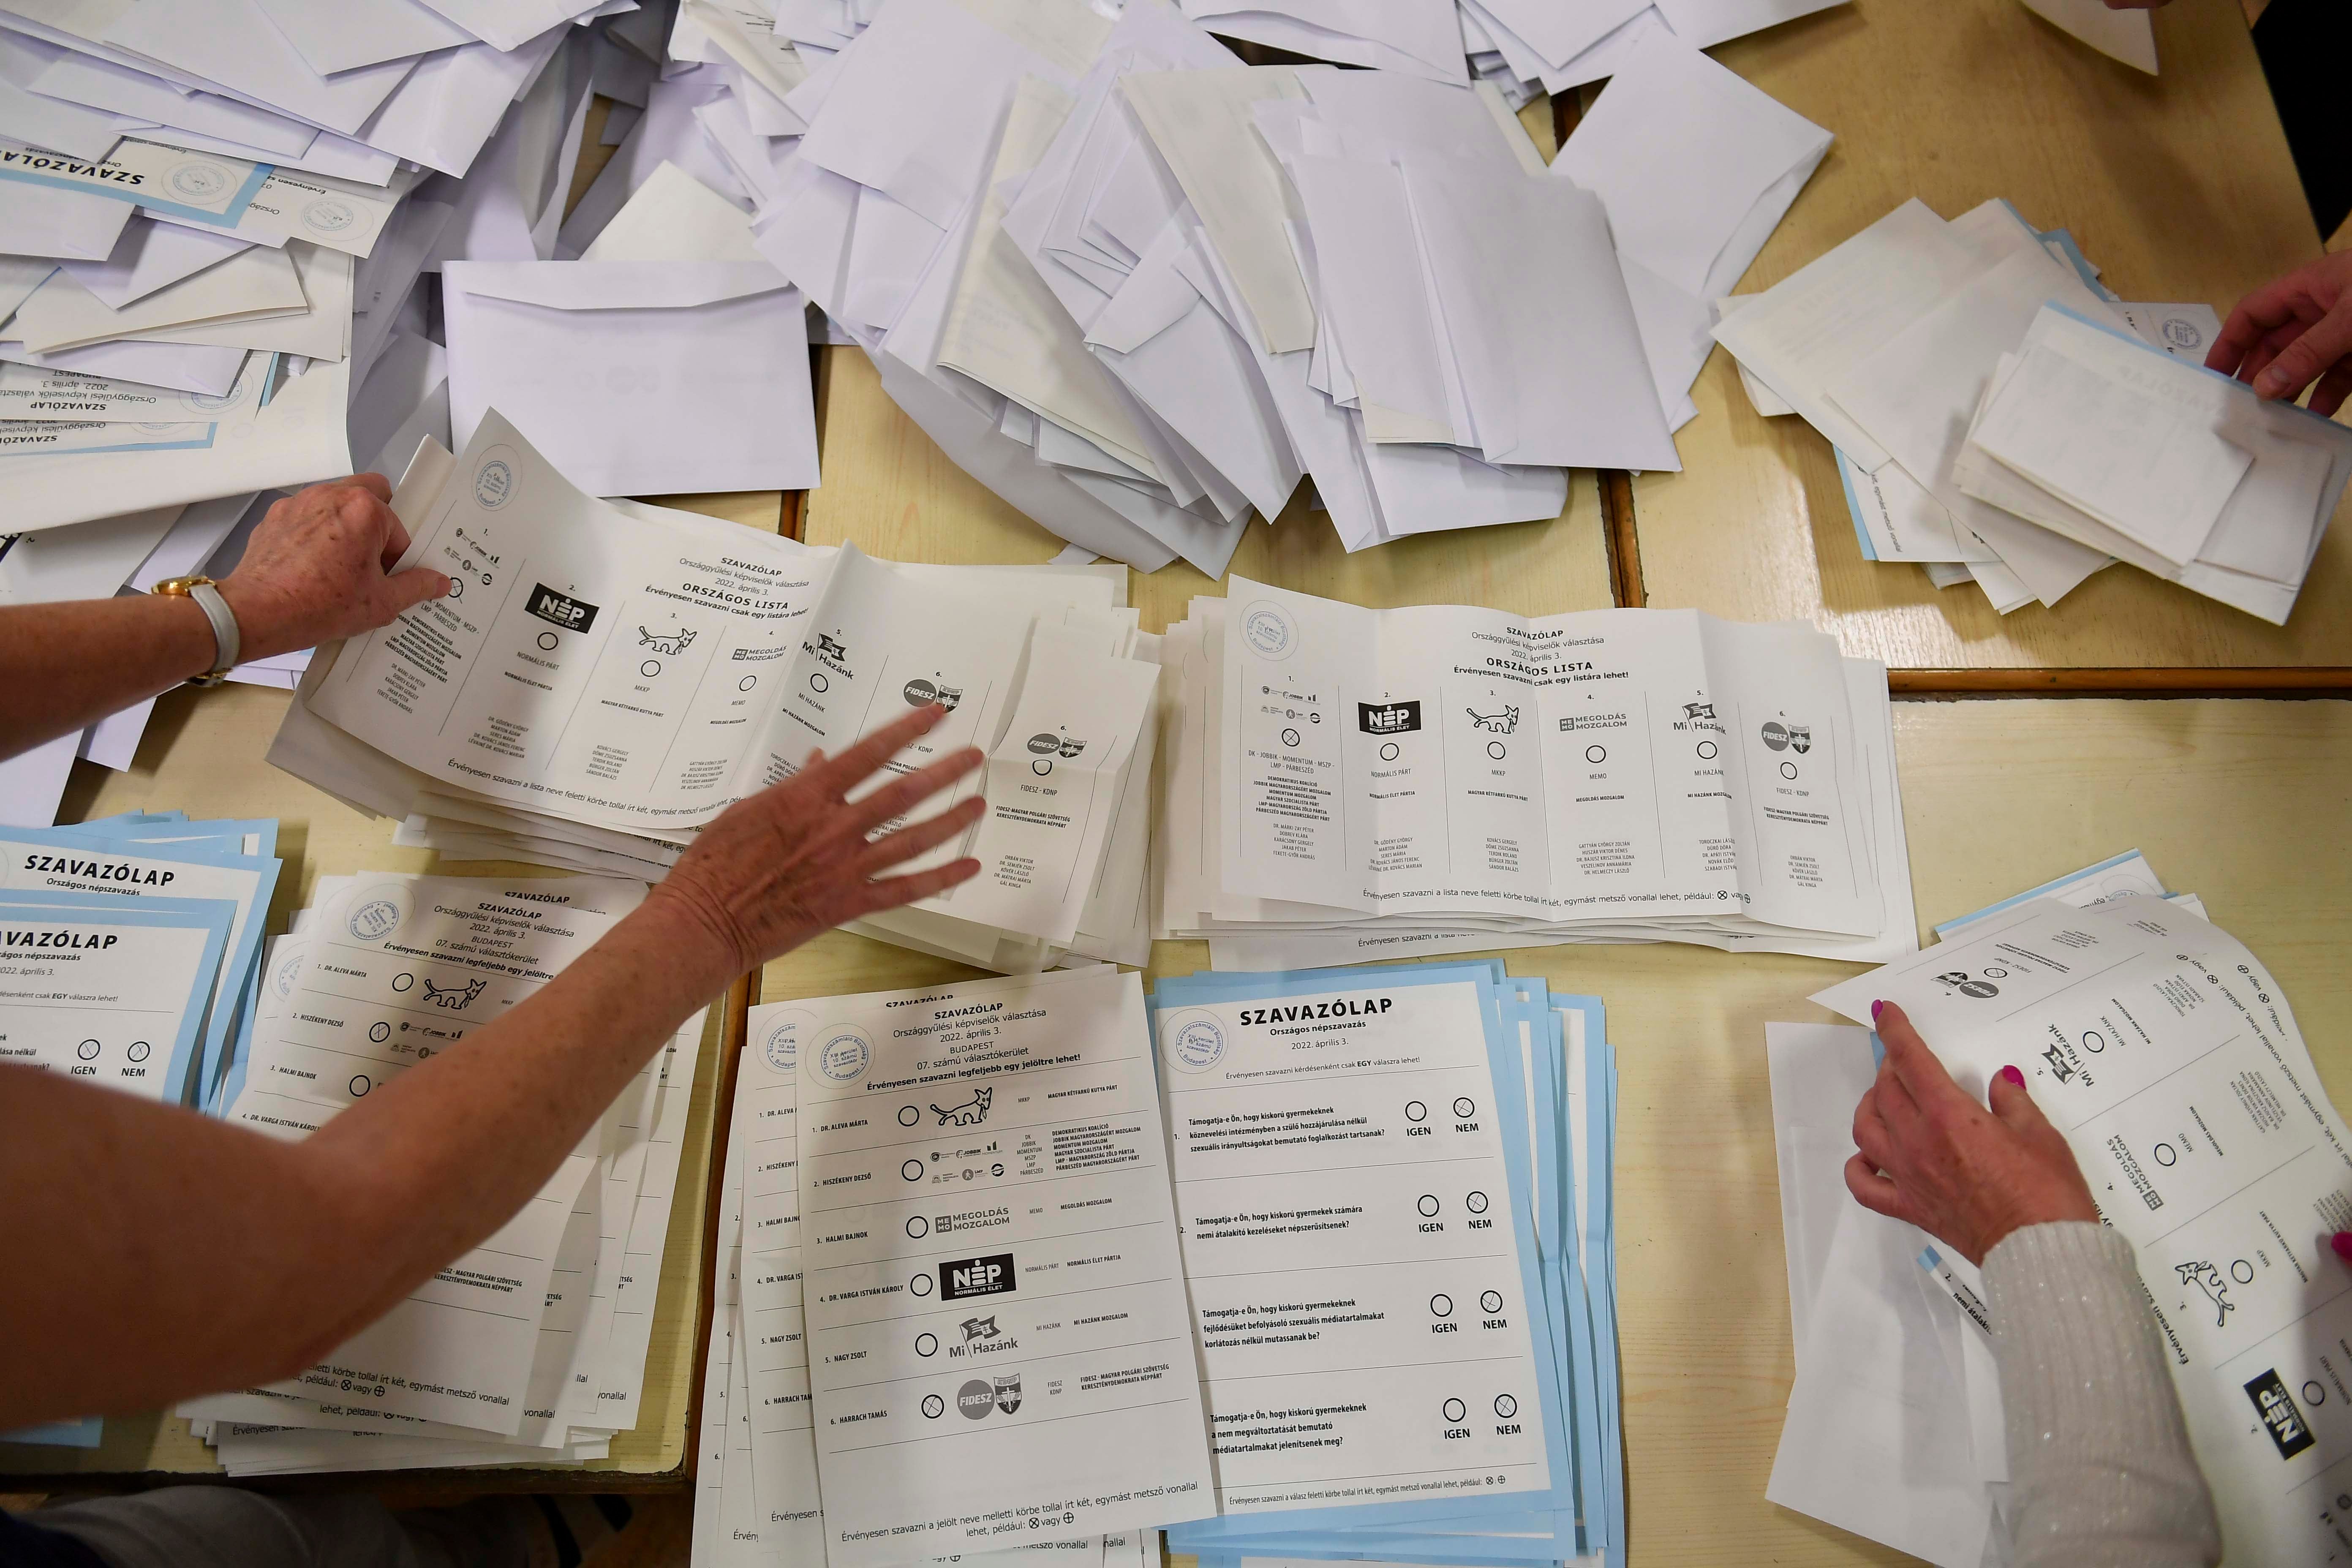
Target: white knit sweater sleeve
x,y
2099,1465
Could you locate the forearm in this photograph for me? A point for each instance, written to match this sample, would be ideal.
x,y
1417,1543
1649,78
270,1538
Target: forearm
x,y
70,665
2100,1467
261,1256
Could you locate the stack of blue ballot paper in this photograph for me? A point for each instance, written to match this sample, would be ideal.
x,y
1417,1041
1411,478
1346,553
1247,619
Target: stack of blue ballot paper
x,y
134,946
1392,1186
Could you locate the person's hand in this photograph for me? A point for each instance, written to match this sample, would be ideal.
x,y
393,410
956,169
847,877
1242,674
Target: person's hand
x,y
798,859
1932,1155
2290,332
319,567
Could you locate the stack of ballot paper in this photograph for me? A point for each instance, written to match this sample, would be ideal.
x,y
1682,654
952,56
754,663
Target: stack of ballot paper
x,y
1032,1128
1394,1189
1344,783
1948,362
531,1348
606,677
151,925
2167,1055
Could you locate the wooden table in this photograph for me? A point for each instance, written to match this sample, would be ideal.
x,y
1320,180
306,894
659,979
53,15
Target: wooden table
x,y
202,753
2179,186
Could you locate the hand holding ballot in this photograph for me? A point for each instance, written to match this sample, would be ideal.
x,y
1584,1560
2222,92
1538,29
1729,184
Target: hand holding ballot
x,y
320,568
1931,1157
2293,331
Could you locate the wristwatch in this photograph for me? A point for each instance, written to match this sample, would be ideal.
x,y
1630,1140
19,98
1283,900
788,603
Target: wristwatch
x,y
216,608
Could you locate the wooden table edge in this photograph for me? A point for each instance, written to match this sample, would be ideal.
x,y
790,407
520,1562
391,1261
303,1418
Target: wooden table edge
x,y
2281,681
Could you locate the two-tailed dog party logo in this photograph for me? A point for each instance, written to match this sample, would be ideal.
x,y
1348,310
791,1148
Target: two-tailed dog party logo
x,y
971,1113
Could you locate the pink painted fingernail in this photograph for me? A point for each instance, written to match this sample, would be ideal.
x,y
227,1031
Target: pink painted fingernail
x,y
2016,1078
2342,1242
1876,1009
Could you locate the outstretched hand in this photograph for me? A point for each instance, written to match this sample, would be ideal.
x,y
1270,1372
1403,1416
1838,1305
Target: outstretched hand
x,y
318,568
1965,1174
800,858
2293,331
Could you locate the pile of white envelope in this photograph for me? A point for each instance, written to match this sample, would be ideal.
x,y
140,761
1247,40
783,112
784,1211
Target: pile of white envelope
x,y
609,677
531,1348
1999,413
1140,289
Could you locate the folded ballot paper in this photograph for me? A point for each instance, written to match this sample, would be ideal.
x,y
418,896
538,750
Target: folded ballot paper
x,y
1288,1358
531,1348
1345,784
606,677
2166,1054
1980,386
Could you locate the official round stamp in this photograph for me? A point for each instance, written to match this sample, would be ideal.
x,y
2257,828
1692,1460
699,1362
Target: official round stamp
x,y
842,1053
330,215
781,1045
378,912
198,182
494,479
1265,626
1195,1042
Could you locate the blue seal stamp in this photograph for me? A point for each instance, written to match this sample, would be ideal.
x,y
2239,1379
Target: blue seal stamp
x,y
377,918
781,1047
2181,333
494,483
1266,627
1194,1042
842,1053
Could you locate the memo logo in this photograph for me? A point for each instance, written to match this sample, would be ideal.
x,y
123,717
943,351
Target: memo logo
x,y
2281,1418
1388,718
990,1276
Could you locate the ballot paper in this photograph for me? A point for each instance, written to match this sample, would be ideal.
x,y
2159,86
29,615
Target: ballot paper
x,y
995,1148
1371,1332
774,1344
2165,1053
636,670
426,961
1335,767
39,861
110,990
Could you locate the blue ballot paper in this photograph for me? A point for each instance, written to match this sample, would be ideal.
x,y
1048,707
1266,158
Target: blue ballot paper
x,y
1528,1062
181,859
110,990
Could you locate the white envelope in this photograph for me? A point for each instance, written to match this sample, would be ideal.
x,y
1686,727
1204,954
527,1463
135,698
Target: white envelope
x,y
206,371
233,44
41,220
1682,152
444,114
343,35
75,78
674,216
152,255
68,127
296,440
1419,36
638,378
255,283
2125,36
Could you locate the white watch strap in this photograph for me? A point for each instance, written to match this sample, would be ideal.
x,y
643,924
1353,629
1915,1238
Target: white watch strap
x,y
226,639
